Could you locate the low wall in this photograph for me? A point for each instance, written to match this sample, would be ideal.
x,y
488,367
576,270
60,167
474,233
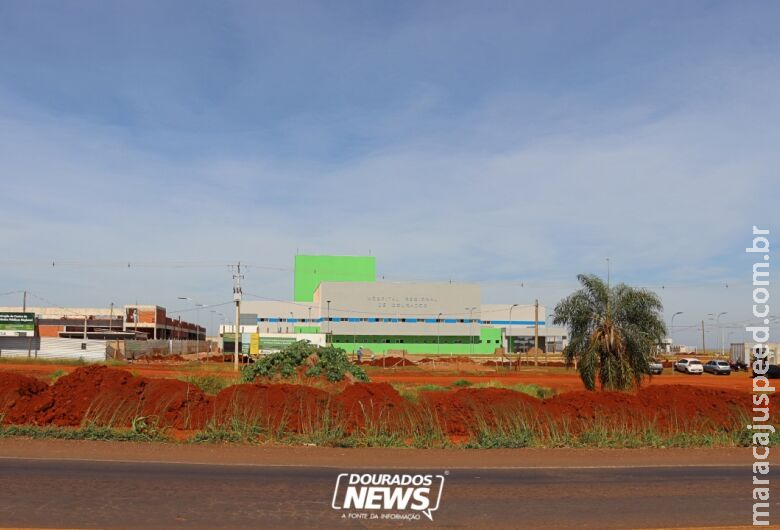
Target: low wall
x,y
53,348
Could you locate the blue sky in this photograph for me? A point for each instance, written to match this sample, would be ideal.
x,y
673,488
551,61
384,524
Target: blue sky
x,y
511,143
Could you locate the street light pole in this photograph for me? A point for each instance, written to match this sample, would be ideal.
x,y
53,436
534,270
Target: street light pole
x,y
509,337
717,320
547,330
471,329
328,318
536,333
671,326
197,330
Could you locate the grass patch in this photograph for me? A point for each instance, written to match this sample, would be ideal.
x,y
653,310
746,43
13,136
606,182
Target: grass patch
x,y
56,375
91,432
430,388
461,383
210,384
540,392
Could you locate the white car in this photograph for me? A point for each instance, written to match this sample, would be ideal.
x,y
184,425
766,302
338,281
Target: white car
x,y
689,365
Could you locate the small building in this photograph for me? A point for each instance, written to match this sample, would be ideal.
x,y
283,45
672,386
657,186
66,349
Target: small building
x,y
743,351
130,322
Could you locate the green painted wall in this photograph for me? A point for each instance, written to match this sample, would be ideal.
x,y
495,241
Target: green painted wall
x,y
310,271
306,329
485,344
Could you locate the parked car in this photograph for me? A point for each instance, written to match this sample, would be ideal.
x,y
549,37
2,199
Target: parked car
x,y
689,365
656,367
773,372
717,367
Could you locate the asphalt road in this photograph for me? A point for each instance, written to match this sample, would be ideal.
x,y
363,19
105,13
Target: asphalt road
x,y
111,494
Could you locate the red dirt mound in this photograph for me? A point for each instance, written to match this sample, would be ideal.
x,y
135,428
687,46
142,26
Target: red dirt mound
x,y
92,393
467,410
16,393
668,408
298,408
369,404
389,362
157,357
109,396
447,359
176,404
105,396
219,358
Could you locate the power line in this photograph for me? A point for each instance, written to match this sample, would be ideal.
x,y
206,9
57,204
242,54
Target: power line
x,y
131,264
196,308
512,282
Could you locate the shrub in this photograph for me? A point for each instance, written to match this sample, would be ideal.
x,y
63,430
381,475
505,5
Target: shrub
x,y
329,362
462,383
210,384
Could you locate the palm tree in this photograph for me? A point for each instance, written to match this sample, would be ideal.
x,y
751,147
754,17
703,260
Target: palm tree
x,y
614,332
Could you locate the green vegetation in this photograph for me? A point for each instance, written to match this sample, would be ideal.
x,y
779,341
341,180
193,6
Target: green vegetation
x,y
539,392
139,433
330,362
614,332
56,375
412,393
514,431
33,360
210,384
59,362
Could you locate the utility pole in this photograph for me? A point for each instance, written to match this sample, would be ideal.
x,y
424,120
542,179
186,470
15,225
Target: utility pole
x,y
702,338
438,334
237,297
111,319
536,332
24,302
471,329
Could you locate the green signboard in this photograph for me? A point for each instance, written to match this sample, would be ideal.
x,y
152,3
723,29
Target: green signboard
x,y
17,324
275,343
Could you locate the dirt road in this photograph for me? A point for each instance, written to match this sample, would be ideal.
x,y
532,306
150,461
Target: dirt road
x,y
55,484
560,379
